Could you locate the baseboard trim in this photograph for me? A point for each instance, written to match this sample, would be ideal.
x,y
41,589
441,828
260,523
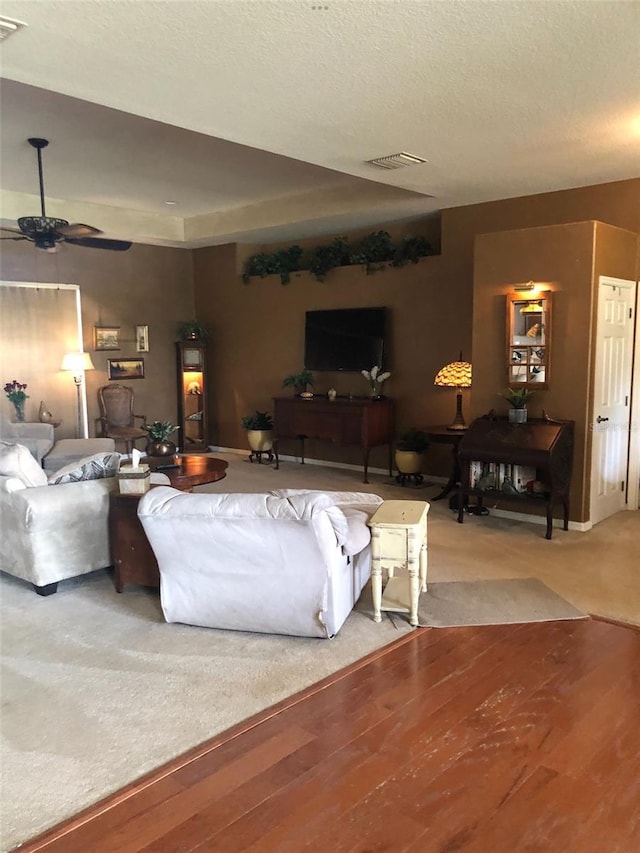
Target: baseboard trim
x,y
323,463
580,526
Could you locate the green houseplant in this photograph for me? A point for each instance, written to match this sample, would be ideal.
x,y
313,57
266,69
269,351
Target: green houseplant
x,y
518,399
159,444
192,330
258,421
298,381
259,428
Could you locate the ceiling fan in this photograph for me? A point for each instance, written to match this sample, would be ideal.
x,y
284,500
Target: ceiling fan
x,y
45,231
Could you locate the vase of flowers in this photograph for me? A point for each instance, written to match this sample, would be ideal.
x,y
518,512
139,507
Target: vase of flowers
x,y
159,444
375,379
15,392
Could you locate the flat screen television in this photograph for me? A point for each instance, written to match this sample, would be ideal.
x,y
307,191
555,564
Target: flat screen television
x,y
350,339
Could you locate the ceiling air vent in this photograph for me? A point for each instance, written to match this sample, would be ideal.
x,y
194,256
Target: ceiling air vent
x,y
9,26
397,161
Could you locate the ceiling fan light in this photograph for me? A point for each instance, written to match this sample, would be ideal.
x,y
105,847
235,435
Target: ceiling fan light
x,y
46,242
40,224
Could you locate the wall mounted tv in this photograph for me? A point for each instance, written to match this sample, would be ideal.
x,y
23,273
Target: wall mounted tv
x,y
349,339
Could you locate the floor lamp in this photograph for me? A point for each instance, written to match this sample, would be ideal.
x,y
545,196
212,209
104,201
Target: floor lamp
x,y
77,363
456,375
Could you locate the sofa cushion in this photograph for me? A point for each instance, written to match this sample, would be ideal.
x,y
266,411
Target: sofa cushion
x,y
17,461
358,533
95,467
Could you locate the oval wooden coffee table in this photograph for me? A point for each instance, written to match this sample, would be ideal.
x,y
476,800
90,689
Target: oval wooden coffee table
x,y
131,555
192,471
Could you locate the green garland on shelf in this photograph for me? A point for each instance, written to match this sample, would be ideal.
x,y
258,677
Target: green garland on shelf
x,y
374,252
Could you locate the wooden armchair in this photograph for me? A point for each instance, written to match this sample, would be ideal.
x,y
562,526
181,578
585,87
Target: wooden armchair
x,y
117,418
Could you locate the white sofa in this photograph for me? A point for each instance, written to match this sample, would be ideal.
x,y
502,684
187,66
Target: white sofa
x,y
51,532
288,562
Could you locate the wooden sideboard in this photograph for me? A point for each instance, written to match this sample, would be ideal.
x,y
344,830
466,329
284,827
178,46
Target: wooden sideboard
x,y
543,446
357,421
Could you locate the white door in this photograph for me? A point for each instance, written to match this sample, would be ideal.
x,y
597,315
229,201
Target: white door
x,y
612,396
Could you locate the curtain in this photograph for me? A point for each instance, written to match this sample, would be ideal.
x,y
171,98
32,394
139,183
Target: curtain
x,y
38,324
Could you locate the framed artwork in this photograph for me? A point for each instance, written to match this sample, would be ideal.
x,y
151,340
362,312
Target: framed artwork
x,y
106,337
142,339
125,368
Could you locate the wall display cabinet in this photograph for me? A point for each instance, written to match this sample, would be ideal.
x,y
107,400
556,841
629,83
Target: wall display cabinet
x,y
192,396
528,339
525,464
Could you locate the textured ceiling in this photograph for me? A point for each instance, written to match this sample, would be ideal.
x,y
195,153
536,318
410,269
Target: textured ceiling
x,y
257,117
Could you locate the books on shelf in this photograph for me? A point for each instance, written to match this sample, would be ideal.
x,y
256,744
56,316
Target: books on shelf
x,y
501,477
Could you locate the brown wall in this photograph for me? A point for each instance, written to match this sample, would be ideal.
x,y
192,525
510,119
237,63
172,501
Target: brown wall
x,y
568,259
257,329
146,285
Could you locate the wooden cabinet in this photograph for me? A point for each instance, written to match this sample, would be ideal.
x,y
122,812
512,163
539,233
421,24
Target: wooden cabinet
x,y
192,396
132,556
361,422
493,451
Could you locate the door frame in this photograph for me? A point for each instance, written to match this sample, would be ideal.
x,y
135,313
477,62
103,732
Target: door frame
x,y
632,491
633,472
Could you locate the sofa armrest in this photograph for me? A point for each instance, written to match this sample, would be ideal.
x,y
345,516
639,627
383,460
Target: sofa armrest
x,y
35,431
57,507
9,485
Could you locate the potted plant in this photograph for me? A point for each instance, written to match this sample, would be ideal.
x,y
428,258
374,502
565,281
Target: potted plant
x,y
375,379
410,448
299,382
259,428
518,399
192,330
159,444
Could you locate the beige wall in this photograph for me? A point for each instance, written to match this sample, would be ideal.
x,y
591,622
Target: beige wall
x,y
146,285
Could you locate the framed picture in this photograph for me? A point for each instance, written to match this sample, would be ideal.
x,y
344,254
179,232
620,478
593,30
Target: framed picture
x,y
106,337
142,339
125,368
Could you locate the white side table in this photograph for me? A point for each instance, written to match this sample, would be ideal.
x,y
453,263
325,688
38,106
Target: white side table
x,y
399,541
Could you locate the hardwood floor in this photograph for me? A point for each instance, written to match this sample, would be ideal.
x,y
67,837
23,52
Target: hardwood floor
x,y
483,740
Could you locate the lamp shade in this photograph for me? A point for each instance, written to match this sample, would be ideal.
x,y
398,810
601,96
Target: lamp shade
x,y
457,374
77,362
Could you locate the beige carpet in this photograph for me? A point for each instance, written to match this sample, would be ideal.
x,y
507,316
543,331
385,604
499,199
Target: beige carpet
x,y
97,690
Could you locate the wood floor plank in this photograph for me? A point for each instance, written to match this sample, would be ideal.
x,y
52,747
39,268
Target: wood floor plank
x,y
501,738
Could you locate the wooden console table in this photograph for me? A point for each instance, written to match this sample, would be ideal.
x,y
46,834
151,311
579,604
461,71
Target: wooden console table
x,y
358,421
543,445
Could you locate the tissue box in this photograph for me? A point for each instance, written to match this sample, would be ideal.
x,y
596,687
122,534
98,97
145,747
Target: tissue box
x,y
134,480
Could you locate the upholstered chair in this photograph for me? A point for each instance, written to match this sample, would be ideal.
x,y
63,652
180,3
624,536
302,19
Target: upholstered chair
x,y
117,418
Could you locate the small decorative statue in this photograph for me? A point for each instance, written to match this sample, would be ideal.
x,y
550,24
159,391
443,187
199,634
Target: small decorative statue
x,y
44,415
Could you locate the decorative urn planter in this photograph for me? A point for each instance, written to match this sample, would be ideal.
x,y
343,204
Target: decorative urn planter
x,y
408,461
260,440
518,416
161,448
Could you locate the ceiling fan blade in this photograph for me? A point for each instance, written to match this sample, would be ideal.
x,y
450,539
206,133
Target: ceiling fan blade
x,y
97,243
13,238
78,229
